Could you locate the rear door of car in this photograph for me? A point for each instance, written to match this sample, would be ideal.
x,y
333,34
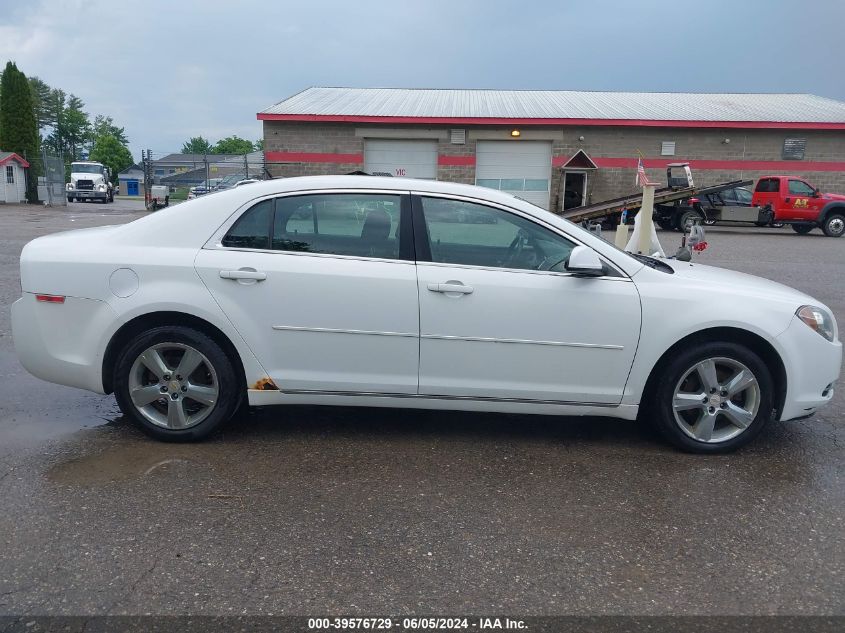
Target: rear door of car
x,y
322,286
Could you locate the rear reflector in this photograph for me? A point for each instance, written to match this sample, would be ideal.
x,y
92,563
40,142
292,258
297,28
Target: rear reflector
x,y
50,298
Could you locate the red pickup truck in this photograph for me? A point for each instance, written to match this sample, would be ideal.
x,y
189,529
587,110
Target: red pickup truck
x,y
795,202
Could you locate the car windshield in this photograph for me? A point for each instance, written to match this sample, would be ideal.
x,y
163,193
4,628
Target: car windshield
x,y
78,168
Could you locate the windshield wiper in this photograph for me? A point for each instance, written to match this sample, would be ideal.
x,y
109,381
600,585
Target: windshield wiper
x,y
653,262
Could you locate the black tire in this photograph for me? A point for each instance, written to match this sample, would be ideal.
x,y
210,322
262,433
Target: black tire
x,y
658,404
229,386
70,199
834,225
688,217
802,229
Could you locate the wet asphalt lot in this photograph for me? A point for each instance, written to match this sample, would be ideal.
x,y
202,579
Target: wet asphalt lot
x,y
312,511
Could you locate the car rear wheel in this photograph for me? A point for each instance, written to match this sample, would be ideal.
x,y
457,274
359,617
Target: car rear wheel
x,y
176,383
802,229
712,398
834,225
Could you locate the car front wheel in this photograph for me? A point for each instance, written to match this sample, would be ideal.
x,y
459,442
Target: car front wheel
x,y
834,225
176,383
713,398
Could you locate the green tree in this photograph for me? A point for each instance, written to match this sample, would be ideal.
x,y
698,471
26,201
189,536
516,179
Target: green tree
x,y
112,153
75,127
41,102
18,127
233,145
105,125
197,145
259,145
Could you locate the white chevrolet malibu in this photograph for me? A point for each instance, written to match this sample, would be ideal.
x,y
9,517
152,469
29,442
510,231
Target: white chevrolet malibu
x,y
357,290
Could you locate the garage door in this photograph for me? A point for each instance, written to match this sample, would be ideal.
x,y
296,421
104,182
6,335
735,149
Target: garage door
x,y
523,168
413,159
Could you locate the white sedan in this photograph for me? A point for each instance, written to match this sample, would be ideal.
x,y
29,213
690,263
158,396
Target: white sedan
x,y
357,290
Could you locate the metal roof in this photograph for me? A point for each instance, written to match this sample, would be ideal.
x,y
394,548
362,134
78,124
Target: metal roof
x,y
557,104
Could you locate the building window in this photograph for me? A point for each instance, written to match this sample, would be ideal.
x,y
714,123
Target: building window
x,y
159,172
793,148
667,148
514,184
10,175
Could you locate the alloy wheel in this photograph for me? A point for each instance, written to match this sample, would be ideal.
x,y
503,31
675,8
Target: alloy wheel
x,y
173,385
716,400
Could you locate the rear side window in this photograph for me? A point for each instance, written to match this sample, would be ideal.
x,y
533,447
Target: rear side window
x,y
768,185
252,230
361,225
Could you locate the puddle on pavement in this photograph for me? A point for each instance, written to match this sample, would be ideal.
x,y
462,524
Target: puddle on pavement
x,y
130,459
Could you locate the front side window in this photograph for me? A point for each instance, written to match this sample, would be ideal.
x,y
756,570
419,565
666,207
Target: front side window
x,y
476,235
10,175
800,188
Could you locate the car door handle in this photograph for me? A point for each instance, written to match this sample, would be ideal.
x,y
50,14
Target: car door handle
x,y
456,288
243,273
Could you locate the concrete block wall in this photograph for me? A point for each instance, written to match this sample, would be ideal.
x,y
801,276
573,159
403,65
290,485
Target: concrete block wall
x,y
598,142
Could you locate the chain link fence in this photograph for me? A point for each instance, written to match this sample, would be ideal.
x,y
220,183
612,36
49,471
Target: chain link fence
x,y
50,170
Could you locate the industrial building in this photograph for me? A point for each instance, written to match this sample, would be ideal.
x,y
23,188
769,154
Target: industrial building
x,y
558,149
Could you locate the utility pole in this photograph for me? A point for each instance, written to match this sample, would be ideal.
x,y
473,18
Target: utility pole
x,y
246,165
147,160
205,160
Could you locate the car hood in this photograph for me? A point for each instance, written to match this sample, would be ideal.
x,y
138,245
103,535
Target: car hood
x,y
833,196
712,278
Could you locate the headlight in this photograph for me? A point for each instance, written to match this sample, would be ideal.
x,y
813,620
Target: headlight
x,y
101,187
69,186
819,320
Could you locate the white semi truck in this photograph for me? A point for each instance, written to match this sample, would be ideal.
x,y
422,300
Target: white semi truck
x,y
89,180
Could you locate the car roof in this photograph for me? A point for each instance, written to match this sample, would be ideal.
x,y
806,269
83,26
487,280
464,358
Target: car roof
x,y
305,183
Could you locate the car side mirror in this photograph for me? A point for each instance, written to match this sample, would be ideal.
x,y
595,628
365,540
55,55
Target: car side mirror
x,y
816,193
585,262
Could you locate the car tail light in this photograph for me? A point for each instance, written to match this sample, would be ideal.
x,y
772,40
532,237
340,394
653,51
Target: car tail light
x,y
50,298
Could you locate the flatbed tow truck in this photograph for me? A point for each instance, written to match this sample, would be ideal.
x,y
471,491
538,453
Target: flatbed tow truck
x,y
680,187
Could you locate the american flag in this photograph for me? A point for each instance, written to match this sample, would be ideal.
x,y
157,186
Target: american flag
x,y
641,179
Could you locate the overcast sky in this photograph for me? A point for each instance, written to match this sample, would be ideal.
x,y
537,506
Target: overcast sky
x,y
170,70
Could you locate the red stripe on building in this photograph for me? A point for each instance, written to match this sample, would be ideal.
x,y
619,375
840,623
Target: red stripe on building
x,y
415,120
609,162
736,165
312,157
455,160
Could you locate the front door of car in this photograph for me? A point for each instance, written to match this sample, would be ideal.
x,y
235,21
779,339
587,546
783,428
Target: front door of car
x,y
801,201
500,318
323,289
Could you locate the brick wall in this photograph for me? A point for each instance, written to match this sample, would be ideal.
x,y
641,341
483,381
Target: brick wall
x,y
599,142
